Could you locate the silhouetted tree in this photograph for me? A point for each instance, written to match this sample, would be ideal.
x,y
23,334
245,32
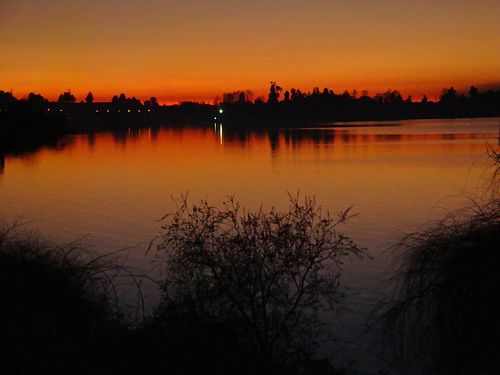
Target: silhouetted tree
x,y
449,95
67,97
229,97
7,100
346,96
473,93
241,97
37,101
89,99
248,95
274,93
264,275
393,97
126,103
151,103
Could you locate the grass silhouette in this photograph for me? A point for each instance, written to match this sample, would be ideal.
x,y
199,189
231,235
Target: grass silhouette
x,y
443,316
58,311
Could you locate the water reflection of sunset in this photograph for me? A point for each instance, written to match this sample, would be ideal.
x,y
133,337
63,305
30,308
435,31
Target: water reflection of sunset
x,y
183,159
123,179
184,151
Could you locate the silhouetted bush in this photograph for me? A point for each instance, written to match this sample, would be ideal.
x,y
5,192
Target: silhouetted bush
x,y
57,314
252,286
443,318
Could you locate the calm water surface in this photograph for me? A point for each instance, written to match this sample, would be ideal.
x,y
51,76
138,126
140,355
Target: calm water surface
x,y
115,187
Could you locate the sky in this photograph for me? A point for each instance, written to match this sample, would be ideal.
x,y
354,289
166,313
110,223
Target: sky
x,y
178,50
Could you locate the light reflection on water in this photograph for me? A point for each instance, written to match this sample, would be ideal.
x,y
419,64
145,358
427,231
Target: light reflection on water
x,y
116,186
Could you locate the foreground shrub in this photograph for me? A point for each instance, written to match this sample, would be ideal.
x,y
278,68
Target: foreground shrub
x,y
263,279
443,317
57,313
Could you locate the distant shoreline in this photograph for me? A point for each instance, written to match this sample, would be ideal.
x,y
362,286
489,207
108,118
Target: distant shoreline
x,y
35,121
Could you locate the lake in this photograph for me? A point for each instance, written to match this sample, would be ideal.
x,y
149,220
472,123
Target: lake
x,y
114,187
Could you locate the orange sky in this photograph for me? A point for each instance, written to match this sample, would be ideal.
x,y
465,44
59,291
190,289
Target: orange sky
x,y
194,50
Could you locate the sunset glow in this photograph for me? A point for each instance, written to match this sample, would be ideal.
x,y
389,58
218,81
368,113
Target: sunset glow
x,y
195,50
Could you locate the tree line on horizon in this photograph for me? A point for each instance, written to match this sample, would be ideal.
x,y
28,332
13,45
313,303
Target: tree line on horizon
x,y
281,108
295,107
273,96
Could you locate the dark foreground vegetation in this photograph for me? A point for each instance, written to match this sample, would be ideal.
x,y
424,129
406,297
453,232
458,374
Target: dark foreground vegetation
x,y
248,293
443,316
265,277
242,293
57,314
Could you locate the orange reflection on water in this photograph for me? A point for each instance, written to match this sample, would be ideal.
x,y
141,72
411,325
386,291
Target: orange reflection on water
x,y
118,185
115,187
